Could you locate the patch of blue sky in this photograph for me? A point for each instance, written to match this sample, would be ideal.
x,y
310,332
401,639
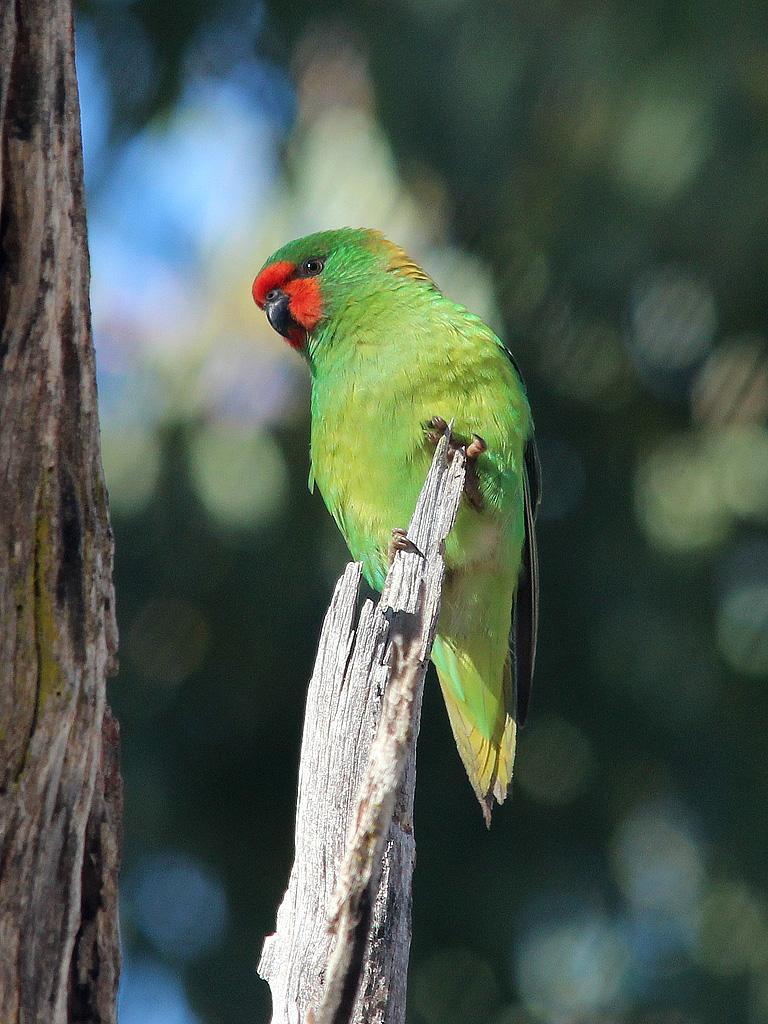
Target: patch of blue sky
x,y
163,203
229,49
95,105
175,189
180,184
270,89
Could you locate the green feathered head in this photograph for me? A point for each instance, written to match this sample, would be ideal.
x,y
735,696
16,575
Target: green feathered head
x,y
308,281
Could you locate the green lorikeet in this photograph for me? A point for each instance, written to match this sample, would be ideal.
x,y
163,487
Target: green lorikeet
x,y
391,358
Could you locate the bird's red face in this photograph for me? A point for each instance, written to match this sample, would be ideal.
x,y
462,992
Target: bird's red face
x,y
289,293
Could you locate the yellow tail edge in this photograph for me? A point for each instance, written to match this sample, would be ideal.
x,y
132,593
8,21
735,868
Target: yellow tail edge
x,y
488,759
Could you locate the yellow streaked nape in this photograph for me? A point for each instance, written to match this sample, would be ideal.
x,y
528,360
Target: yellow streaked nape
x,y
399,261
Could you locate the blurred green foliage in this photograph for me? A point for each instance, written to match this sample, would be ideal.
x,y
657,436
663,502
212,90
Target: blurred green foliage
x,y
605,167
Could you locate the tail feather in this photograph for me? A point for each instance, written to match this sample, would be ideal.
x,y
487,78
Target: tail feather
x,y
480,710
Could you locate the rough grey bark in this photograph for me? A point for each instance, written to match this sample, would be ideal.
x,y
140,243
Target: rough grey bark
x,y
342,940
59,777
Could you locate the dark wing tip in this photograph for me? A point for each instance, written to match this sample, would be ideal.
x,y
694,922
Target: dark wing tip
x,y
525,621
526,614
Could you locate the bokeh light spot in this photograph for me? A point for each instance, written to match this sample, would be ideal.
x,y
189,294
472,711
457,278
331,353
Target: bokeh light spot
x,y
742,628
664,140
177,904
673,320
239,474
569,972
151,993
740,458
167,641
659,863
131,466
734,932
582,361
677,497
555,762
732,385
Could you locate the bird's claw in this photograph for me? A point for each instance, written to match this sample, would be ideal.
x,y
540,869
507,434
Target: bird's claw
x,y
401,542
436,428
476,447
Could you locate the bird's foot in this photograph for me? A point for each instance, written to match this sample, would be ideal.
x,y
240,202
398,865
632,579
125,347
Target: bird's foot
x,y
400,542
436,428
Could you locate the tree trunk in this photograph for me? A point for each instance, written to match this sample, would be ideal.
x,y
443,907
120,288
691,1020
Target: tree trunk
x,y
59,776
341,945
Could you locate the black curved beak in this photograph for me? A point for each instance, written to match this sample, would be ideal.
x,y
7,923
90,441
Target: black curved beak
x,y
277,308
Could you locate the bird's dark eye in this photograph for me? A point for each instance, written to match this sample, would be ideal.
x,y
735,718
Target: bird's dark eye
x,y
311,268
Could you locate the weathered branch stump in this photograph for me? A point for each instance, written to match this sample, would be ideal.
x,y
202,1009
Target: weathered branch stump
x,y
59,777
340,949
